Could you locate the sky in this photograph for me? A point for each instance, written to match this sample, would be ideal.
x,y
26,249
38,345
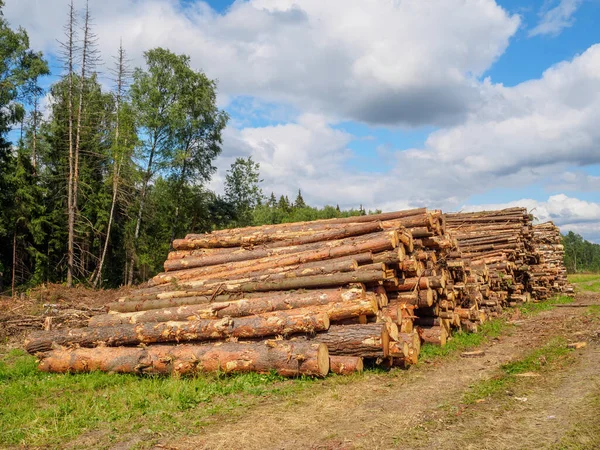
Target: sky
x,y
389,104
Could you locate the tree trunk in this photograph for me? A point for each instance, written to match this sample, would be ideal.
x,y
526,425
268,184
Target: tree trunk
x,y
138,222
287,297
187,259
271,324
14,262
34,137
116,164
345,264
369,340
287,358
374,242
70,210
345,365
307,235
239,308
413,347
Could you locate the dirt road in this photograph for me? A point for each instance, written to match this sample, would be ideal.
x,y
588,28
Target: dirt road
x,y
426,407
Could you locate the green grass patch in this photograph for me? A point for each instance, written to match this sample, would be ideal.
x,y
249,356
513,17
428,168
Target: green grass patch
x,y
42,409
583,277
590,286
551,356
462,341
533,308
594,310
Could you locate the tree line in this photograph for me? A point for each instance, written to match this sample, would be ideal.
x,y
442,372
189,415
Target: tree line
x,y
95,188
580,255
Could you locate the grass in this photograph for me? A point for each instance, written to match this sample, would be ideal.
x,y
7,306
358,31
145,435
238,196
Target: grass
x,y
42,409
585,433
583,277
463,341
552,356
47,410
594,310
533,308
589,282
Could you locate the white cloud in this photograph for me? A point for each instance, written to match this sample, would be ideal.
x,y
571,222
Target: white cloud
x,y
384,62
390,63
568,213
577,181
521,135
554,20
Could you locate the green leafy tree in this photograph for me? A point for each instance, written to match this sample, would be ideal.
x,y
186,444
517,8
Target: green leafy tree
x,y
197,129
580,255
242,188
155,97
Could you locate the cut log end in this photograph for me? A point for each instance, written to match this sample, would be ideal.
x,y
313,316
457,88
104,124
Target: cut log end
x,y
323,362
345,365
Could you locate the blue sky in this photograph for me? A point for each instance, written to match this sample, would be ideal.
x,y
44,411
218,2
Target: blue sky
x,y
449,104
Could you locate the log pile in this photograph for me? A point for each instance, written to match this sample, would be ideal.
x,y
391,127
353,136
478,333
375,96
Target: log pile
x,y
548,275
509,260
313,297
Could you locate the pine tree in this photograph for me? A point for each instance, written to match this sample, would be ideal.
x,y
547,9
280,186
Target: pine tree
x,y
299,202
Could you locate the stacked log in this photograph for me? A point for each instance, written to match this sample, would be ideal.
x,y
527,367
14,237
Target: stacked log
x,y
548,275
507,260
497,246
252,285
312,297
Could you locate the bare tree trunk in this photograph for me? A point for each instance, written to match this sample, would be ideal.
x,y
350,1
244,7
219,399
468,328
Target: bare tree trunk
x,y
34,143
70,209
117,163
80,108
140,213
14,261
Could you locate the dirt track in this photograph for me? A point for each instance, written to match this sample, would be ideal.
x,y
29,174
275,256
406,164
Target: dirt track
x,y
423,407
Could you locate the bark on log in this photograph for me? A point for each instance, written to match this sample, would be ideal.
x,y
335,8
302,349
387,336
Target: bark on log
x,y
237,308
270,324
433,282
292,297
369,340
391,256
287,358
305,234
345,365
375,242
308,282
